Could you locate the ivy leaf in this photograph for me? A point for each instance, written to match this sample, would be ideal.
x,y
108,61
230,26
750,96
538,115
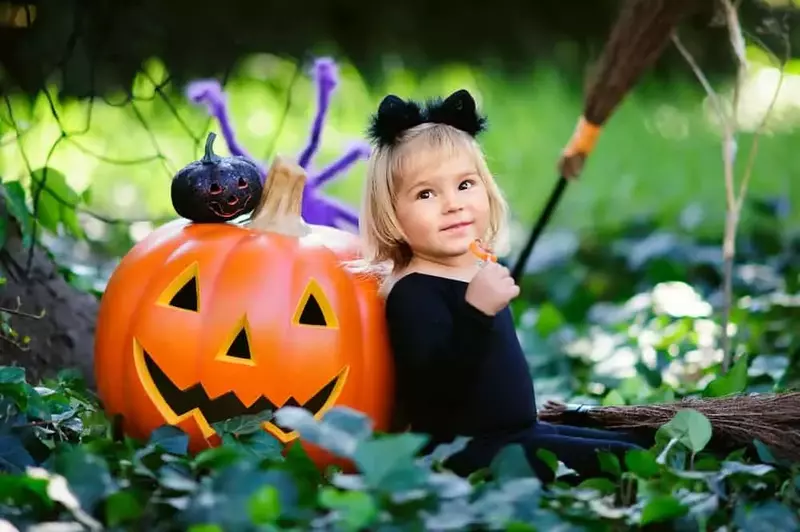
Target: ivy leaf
x,y
55,201
609,463
171,439
245,424
662,508
388,463
87,475
4,227
123,507
511,463
766,517
733,382
12,375
690,427
264,505
642,463
15,203
14,458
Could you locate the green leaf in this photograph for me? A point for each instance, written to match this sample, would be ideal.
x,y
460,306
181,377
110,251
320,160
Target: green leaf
x,y
642,463
12,375
15,203
88,475
245,424
262,445
738,468
350,421
609,463
550,320
216,457
691,428
265,505
46,210
549,458
25,491
603,485
122,507
171,439
764,452
14,457
510,463
613,398
661,509
205,527
4,227
734,382
69,218
55,184
357,509
54,201
388,462
766,517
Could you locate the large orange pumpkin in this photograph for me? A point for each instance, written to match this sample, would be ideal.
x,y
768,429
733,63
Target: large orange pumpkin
x,y
203,322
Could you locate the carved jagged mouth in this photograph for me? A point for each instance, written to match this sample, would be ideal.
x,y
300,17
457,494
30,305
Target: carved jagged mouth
x,y
228,406
219,209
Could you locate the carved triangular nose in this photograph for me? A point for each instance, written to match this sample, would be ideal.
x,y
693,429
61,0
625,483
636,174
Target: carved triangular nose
x,y
240,347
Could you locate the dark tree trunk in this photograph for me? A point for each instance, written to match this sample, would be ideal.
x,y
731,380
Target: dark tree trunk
x,y
64,337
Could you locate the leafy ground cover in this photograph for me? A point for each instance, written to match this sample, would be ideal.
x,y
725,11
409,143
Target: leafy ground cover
x,y
620,317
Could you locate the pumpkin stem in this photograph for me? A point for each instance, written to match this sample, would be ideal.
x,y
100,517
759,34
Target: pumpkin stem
x,y
280,208
210,157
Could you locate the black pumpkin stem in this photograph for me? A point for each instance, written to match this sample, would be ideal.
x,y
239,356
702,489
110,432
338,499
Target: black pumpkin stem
x,y
210,157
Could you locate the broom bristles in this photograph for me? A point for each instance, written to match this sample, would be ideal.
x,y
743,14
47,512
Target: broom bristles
x,y
637,39
736,420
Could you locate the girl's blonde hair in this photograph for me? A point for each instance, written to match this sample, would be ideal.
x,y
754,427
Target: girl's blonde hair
x,y
384,250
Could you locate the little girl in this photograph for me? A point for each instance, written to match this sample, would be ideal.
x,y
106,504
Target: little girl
x,y
460,369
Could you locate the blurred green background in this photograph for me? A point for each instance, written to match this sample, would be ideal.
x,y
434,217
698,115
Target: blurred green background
x,y
108,108
658,155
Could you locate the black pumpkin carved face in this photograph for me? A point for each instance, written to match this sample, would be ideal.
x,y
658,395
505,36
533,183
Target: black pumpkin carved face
x,y
216,189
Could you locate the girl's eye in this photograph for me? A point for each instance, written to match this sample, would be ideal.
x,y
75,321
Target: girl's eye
x,y
466,184
424,194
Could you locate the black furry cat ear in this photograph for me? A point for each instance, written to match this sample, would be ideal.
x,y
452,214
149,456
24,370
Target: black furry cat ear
x,y
459,111
393,117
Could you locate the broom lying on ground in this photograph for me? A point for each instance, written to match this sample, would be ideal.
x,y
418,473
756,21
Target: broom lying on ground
x,y
736,420
639,36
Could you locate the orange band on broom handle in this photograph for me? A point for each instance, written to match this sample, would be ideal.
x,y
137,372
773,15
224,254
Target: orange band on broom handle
x,y
483,254
580,145
570,165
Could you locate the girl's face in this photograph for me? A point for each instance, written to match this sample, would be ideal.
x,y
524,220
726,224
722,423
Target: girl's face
x,y
442,205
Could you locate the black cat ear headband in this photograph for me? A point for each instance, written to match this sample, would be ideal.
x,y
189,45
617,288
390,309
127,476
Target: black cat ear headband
x,y
395,116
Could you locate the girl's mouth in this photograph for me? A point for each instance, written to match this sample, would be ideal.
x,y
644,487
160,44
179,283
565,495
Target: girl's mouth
x,y
460,225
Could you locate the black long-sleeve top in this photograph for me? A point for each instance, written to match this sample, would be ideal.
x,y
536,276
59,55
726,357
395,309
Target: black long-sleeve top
x,y
458,370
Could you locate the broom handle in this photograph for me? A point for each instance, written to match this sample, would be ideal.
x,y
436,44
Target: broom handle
x,y
544,218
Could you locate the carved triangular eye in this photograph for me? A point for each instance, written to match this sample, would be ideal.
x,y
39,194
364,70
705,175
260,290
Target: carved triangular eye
x,y
186,297
183,292
312,313
314,309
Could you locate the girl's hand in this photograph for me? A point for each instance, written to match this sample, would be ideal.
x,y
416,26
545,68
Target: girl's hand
x,y
491,289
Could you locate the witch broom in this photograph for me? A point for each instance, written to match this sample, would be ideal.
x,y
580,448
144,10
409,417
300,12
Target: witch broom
x,y
640,34
736,421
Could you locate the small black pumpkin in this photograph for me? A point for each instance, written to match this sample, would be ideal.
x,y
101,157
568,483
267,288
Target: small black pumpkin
x,y
216,189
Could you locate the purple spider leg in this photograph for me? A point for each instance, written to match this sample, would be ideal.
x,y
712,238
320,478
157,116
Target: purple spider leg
x,y
326,76
323,210
210,93
360,151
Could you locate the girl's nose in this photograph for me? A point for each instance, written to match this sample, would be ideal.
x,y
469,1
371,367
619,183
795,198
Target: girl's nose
x,y
451,203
